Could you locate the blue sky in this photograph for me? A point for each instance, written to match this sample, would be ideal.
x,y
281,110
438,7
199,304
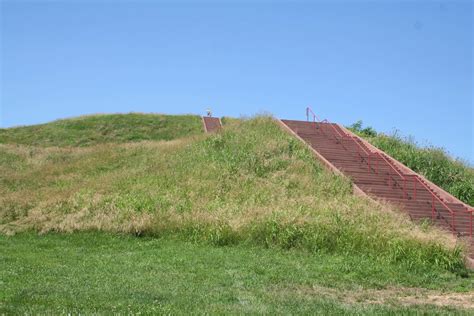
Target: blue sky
x,y
393,64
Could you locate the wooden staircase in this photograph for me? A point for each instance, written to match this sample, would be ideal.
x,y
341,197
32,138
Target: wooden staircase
x,y
383,178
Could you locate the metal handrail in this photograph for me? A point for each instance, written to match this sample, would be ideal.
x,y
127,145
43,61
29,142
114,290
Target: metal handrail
x,y
370,153
396,171
325,121
417,179
430,191
335,129
315,117
434,196
356,139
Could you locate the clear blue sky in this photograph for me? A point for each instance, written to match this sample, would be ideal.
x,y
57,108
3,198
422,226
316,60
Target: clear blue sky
x,y
393,64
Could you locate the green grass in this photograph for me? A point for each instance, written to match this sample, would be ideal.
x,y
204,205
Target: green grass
x,y
109,273
252,184
99,129
245,220
454,176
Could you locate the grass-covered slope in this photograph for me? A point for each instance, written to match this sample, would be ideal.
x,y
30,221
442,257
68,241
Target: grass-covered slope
x,y
98,129
250,184
435,164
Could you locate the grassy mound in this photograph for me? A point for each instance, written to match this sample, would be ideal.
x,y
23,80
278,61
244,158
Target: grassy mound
x,y
99,129
435,164
252,183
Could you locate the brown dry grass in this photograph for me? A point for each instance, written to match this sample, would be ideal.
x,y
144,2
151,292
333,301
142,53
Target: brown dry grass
x,y
391,296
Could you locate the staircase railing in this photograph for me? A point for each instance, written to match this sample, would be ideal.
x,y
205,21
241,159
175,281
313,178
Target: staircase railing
x,y
391,167
416,179
342,137
433,208
371,153
434,197
360,149
315,117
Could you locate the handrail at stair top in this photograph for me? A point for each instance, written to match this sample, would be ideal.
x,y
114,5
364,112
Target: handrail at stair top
x,y
315,117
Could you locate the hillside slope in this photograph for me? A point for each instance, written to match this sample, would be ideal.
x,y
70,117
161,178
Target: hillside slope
x,y
104,128
252,183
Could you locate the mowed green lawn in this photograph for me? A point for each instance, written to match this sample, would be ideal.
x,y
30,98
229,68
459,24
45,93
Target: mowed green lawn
x,y
98,272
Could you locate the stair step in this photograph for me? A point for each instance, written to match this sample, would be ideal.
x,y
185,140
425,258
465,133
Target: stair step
x,y
382,180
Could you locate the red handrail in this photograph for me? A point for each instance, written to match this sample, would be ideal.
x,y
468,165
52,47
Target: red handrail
x,y
396,171
335,129
370,153
430,191
373,153
434,196
367,151
341,137
381,155
355,139
315,117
